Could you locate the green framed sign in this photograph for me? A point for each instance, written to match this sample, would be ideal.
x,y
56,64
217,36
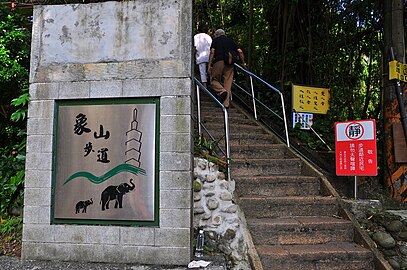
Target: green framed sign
x,y
105,163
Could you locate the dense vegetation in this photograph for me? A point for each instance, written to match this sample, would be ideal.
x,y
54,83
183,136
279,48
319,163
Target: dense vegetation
x,y
325,43
15,35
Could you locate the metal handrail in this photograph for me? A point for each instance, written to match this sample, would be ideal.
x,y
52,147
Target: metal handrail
x,y
254,100
199,86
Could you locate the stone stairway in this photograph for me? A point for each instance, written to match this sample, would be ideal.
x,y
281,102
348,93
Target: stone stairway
x,y
294,222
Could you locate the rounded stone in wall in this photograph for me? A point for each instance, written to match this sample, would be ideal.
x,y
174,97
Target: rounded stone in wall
x,y
210,178
224,184
197,197
229,234
210,194
403,264
199,210
394,226
402,248
202,163
217,220
221,176
213,167
212,204
226,196
389,253
231,209
394,264
384,239
402,236
206,216
208,187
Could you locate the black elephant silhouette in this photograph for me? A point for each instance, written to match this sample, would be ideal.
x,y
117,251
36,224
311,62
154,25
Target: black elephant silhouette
x,y
83,205
115,193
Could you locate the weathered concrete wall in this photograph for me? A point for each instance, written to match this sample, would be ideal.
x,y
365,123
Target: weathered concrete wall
x,y
112,50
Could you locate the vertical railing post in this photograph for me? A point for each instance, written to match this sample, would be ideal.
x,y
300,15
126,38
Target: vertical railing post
x,y
253,98
199,110
225,113
285,120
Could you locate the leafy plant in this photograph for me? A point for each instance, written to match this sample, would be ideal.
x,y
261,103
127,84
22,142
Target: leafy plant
x,y
12,228
15,45
22,107
12,164
209,150
10,236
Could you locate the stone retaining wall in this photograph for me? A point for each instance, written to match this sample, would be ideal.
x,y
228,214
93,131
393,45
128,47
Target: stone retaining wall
x,y
216,212
387,228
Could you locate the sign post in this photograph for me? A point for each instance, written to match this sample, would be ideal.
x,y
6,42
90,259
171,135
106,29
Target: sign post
x,y
356,151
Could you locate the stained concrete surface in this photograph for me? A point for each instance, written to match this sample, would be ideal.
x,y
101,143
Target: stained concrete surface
x,y
15,263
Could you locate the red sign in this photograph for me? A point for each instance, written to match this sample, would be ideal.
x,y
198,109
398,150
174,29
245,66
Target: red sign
x,y
355,144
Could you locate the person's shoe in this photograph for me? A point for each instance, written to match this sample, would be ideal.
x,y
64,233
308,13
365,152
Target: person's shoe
x,y
223,96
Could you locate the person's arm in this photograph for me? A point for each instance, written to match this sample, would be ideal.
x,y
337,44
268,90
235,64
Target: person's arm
x,y
241,57
211,54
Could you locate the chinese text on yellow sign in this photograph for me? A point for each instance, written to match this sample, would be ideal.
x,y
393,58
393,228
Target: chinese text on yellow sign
x,y
310,99
397,71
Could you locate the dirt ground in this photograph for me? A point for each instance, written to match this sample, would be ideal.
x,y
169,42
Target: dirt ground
x,y
10,246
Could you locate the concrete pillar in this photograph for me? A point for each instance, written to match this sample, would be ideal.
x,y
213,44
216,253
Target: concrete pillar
x,y
111,51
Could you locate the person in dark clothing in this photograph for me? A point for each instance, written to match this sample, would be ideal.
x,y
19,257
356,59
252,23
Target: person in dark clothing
x,y
218,69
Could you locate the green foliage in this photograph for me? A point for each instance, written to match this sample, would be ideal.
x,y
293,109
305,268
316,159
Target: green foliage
x,y
209,150
324,43
14,98
12,228
22,103
12,164
15,37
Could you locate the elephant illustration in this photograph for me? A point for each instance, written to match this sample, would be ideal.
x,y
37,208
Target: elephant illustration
x,y
115,193
83,205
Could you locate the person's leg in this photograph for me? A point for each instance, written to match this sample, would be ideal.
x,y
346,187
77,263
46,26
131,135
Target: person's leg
x,y
202,72
217,71
227,82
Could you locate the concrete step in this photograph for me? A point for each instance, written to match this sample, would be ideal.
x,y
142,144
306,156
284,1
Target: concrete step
x,y
300,230
277,186
215,108
332,256
243,138
261,151
295,206
235,127
234,118
291,224
262,167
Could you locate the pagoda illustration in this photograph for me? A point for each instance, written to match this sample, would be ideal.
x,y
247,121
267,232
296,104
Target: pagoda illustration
x,y
133,142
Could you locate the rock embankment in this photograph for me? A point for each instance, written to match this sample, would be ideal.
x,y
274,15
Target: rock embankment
x,y
387,228
217,214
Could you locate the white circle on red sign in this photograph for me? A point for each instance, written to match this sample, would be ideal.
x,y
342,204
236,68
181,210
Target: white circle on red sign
x,y
354,131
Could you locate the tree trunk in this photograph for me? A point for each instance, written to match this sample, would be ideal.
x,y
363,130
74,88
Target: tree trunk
x,y
250,45
394,173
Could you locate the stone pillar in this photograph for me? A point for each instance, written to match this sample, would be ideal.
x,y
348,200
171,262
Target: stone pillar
x,y
112,51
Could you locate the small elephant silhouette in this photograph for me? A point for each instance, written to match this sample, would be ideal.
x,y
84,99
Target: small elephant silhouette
x,y
83,205
115,193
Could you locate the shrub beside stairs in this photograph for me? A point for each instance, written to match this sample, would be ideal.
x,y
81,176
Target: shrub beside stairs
x,y
294,217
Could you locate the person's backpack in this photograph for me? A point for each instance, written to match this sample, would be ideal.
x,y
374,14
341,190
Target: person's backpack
x,y
230,57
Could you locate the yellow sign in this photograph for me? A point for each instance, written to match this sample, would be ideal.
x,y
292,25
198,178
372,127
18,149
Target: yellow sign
x,y
310,99
397,71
